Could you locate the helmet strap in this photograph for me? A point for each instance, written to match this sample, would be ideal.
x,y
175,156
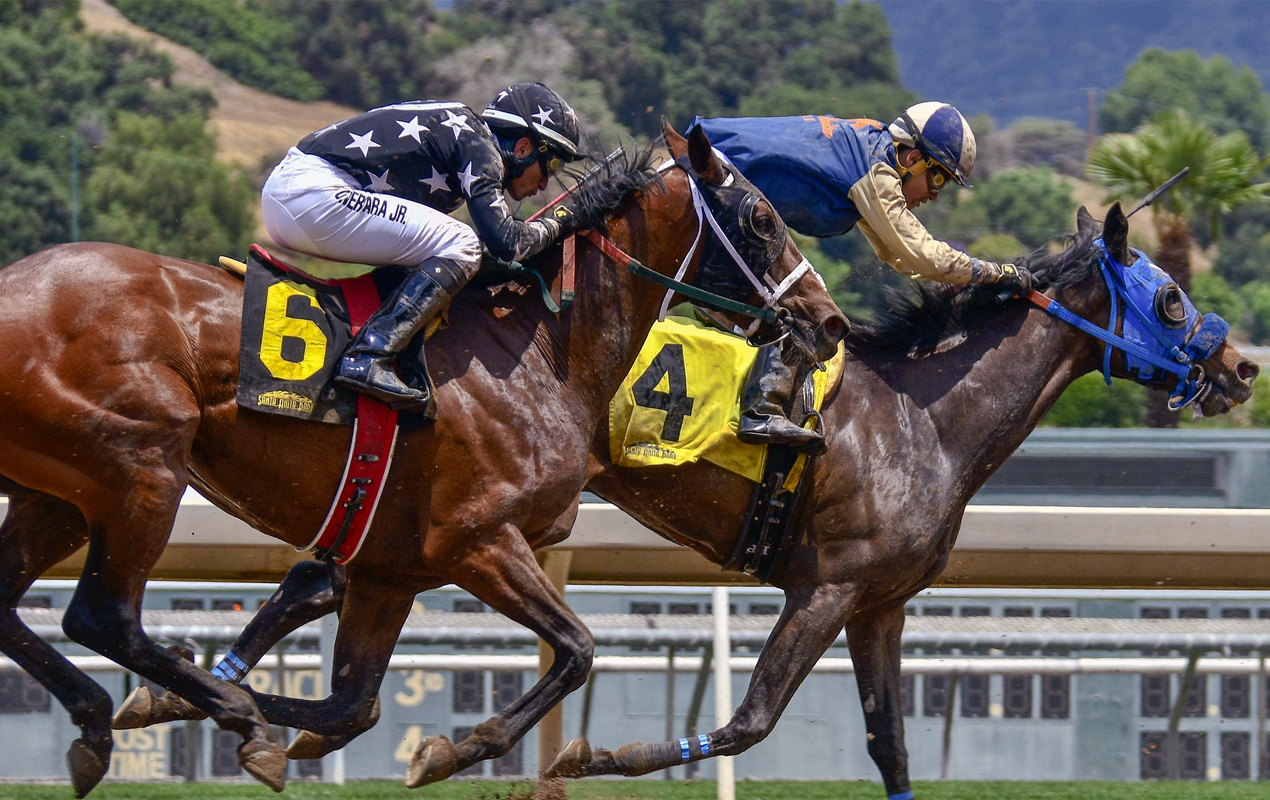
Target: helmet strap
x,y
515,167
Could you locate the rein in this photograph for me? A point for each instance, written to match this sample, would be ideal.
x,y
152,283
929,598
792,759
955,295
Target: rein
x,y
1193,385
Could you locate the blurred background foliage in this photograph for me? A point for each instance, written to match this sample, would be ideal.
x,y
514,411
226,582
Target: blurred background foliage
x,y
98,142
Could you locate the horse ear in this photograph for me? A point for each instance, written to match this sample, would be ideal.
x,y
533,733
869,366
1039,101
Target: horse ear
x,y
704,160
1115,234
1086,225
678,145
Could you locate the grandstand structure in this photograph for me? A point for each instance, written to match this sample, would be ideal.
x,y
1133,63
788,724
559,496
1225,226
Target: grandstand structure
x,y
1143,553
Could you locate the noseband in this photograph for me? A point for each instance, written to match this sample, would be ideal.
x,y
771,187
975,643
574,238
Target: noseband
x,y
1153,348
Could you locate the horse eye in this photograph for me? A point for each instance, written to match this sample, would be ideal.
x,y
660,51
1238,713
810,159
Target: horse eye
x,y
757,219
1169,307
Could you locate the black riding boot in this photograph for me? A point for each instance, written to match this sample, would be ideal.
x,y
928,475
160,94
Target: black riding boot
x,y
367,364
763,420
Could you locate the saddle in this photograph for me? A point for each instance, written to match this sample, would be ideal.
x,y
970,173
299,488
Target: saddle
x,y
681,403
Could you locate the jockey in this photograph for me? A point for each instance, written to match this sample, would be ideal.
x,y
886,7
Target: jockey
x,y
377,188
824,176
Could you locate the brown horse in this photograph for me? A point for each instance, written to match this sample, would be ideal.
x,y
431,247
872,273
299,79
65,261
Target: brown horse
x,y
118,373
933,400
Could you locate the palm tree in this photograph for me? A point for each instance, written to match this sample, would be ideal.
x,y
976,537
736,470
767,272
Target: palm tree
x,y
1223,176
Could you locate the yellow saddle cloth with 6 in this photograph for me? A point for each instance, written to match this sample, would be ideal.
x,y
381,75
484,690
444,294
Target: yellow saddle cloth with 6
x,y
681,400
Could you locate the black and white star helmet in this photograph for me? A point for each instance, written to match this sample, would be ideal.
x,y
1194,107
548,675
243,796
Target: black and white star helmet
x,y
533,110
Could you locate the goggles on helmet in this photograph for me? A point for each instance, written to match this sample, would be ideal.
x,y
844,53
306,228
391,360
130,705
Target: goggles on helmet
x,y
550,161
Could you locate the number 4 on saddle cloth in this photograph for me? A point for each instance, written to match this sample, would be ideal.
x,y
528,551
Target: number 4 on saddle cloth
x,y
681,402
295,328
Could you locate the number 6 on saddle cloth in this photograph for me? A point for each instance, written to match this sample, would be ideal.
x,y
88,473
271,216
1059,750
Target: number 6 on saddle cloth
x,y
295,327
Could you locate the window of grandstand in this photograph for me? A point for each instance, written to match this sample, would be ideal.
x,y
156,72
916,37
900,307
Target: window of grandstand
x,y
974,688
1056,690
469,691
936,689
188,604
1236,756
225,754
21,694
508,687
36,601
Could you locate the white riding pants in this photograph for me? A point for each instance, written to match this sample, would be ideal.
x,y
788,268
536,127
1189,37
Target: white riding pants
x,y
314,207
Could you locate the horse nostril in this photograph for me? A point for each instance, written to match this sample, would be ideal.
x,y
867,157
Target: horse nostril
x,y
835,328
1247,371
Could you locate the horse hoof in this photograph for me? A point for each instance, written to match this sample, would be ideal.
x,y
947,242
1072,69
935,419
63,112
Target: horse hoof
x,y
572,761
435,760
143,708
264,761
307,745
86,766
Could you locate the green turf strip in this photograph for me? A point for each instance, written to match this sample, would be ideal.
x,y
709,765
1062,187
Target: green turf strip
x,y
659,790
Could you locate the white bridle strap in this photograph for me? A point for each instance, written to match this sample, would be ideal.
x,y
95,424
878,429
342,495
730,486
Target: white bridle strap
x,y
770,295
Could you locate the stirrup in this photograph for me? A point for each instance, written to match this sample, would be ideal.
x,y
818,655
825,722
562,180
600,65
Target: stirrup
x,y
372,379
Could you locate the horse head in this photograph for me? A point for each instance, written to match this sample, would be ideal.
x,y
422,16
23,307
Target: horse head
x,y
751,258
1171,344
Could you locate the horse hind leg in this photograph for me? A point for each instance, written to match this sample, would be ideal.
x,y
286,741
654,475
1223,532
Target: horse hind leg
x,y
39,531
126,538
810,622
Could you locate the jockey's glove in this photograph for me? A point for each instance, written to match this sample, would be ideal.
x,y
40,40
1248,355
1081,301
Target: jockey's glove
x,y
1009,278
567,220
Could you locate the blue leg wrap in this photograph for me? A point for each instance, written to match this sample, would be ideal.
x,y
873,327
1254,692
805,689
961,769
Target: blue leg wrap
x,y
704,741
901,796
231,668
684,751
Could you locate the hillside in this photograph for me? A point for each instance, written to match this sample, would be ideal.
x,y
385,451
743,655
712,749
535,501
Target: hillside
x,y
250,126
1015,58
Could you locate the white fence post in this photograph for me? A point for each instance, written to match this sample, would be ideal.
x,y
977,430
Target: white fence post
x,y
723,688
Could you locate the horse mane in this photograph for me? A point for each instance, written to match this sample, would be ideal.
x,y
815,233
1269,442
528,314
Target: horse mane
x,y
912,323
614,179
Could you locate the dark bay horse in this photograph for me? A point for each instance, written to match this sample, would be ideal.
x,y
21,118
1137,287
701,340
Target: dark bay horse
x,y
933,400
118,373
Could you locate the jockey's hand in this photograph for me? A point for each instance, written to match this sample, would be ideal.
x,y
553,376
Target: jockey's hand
x,y
565,217
1014,279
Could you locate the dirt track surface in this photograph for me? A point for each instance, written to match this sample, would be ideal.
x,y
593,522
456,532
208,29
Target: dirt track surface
x,y
249,124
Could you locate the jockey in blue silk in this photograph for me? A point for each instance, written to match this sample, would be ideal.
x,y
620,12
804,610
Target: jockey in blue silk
x,y
378,189
826,175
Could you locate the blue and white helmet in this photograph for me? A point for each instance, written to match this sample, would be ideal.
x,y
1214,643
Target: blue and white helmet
x,y
941,133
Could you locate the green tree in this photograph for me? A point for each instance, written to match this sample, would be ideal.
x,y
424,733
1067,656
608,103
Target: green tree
x,y
1256,296
1031,204
158,186
725,57
1245,255
1211,293
59,92
1053,143
1224,172
1088,403
1213,90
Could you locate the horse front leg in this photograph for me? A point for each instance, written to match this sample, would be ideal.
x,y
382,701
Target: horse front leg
x,y
874,639
309,591
502,572
807,626
372,613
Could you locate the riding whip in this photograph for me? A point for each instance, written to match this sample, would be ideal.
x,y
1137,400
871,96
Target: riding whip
x,y
1155,194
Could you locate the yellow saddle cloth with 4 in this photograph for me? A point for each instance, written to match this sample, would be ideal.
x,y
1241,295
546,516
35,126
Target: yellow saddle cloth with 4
x,y
681,400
